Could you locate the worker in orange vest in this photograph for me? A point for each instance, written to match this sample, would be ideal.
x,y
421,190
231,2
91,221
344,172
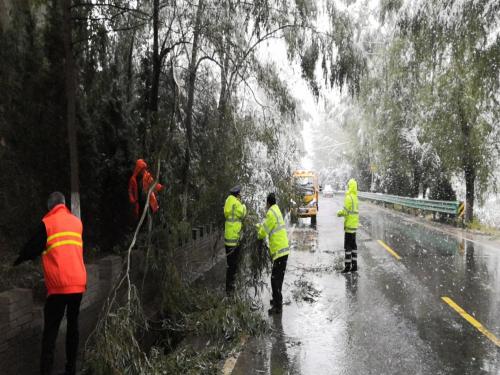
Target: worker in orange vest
x,y
58,241
138,188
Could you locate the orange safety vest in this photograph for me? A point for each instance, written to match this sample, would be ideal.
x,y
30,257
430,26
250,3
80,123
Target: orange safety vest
x,y
62,259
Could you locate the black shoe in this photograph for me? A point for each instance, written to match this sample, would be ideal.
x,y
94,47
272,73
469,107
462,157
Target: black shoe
x,y
275,310
271,302
354,268
346,269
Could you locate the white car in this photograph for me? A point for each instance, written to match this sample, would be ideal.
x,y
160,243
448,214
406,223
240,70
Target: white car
x,y
328,191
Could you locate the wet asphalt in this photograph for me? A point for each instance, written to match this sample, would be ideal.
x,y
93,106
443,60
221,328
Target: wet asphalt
x,y
390,317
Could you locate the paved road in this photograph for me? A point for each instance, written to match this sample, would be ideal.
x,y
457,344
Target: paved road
x,y
391,317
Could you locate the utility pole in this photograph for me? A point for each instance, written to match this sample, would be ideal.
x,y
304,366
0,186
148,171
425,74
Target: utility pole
x,y
69,70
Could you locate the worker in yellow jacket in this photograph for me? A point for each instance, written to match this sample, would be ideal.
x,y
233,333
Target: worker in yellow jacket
x,y
351,222
234,212
274,227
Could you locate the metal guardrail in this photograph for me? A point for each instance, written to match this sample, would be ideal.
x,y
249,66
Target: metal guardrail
x,y
447,207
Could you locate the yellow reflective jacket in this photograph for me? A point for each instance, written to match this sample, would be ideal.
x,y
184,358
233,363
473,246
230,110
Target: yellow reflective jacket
x,y
350,211
274,227
234,212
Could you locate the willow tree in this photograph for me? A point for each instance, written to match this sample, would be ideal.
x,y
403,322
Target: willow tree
x,y
228,34
460,39
431,99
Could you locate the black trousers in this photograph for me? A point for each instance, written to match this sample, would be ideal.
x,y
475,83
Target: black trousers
x,y
233,260
277,276
351,249
55,306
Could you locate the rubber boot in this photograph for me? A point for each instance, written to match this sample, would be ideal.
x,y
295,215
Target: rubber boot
x,y
354,267
347,268
276,309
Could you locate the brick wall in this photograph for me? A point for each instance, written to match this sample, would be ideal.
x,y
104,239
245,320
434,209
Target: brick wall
x,y
21,318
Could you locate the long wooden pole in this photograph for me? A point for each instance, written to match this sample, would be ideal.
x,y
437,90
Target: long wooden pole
x,y
71,107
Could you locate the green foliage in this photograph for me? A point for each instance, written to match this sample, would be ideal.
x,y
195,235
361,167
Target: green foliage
x,y
387,7
189,361
220,321
428,110
139,96
219,318
116,120
255,258
115,348
187,312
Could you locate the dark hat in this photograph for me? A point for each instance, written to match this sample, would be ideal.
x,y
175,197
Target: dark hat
x,y
235,189
271,199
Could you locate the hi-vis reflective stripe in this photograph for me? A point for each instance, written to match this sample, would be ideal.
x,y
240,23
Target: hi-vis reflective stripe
x,y
279,224
233,218
62,243
266,228
64,234
278,228
276,216
353,211
227,240
282,250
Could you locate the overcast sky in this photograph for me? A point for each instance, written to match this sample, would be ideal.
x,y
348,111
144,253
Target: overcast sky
x,y
364,15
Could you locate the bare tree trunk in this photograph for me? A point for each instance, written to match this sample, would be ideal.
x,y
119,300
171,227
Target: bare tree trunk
x,y
468,166
155,84
416,183
193,65
130,67
470,179
152,106
224,52
224,90
70,74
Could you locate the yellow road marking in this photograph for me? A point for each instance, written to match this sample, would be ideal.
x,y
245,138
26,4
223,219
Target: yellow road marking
x,y
392,252
471,320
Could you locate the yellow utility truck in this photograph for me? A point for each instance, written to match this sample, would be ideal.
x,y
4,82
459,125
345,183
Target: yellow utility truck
x,y
307,192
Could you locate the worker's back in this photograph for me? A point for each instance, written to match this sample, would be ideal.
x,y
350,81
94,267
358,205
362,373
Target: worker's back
x,y
62,259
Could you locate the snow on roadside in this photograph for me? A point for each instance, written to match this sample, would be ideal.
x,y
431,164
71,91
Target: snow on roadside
x,y
488,213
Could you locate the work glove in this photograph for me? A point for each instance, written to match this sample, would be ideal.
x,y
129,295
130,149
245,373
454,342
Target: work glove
x,y
339,213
